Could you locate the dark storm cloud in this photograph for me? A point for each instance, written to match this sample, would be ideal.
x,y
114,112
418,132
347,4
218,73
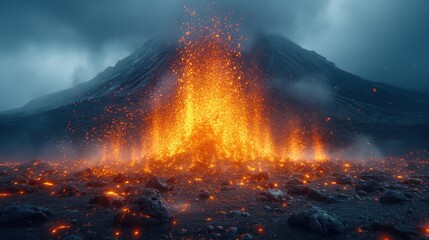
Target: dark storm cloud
x,y
51,45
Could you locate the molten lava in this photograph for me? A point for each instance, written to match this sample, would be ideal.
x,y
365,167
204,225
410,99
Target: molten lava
x,y
217,112
210,109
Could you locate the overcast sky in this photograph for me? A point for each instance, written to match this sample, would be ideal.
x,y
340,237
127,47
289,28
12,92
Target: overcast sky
x,y
49,45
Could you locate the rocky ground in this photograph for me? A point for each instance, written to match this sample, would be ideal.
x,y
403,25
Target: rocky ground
x,y
330,200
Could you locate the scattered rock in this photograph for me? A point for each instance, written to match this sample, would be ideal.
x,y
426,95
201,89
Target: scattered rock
x,y
18,188
246,236
393,197
393,230
226,183
295,181
237,213
317,195
36,167
274,195
378,177
85,174
298,190
210,228
182,231
232,231
204,194
369,186
260,176
425,198
342,196
149,208
68,191
107,201
119,178
344,179
21,215
133,190
157,183
96,184
317,221
362,192
413,181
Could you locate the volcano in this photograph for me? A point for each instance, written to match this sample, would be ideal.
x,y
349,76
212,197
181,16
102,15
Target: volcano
x,y
253,143
299,86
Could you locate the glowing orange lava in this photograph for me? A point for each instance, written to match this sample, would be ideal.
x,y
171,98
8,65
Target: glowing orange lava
x,y
209,110
211,115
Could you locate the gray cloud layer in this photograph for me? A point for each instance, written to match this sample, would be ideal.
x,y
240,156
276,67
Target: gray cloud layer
x,y
51,45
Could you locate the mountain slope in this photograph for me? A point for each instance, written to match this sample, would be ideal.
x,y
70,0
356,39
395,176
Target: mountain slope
x,y
296,80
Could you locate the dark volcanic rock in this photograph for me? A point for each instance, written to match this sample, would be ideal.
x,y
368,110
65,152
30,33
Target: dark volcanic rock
x,y
157,183
260,176
369,186
393,230
317,221
204,194
21,215
149,208
107,201
298,190
413,181
119,178
344,179
371,176
237,213
295,181
317,195
36,167
68,191
85,174
133,190
96,183
18,188
425,198
392,197
274,195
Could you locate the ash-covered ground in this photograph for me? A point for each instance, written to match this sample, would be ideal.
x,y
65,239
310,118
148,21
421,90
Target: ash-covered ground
x,y
329,200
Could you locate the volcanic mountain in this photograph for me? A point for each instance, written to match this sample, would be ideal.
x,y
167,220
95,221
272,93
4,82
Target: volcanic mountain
x,y
296,82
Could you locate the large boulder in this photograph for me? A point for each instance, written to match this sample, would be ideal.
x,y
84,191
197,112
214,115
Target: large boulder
x,y
145,209
22,215
393,197
317,221
274,195
369,186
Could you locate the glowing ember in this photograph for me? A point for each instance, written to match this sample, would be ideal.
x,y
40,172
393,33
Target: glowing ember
x,y
48,184
111,193
61,227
